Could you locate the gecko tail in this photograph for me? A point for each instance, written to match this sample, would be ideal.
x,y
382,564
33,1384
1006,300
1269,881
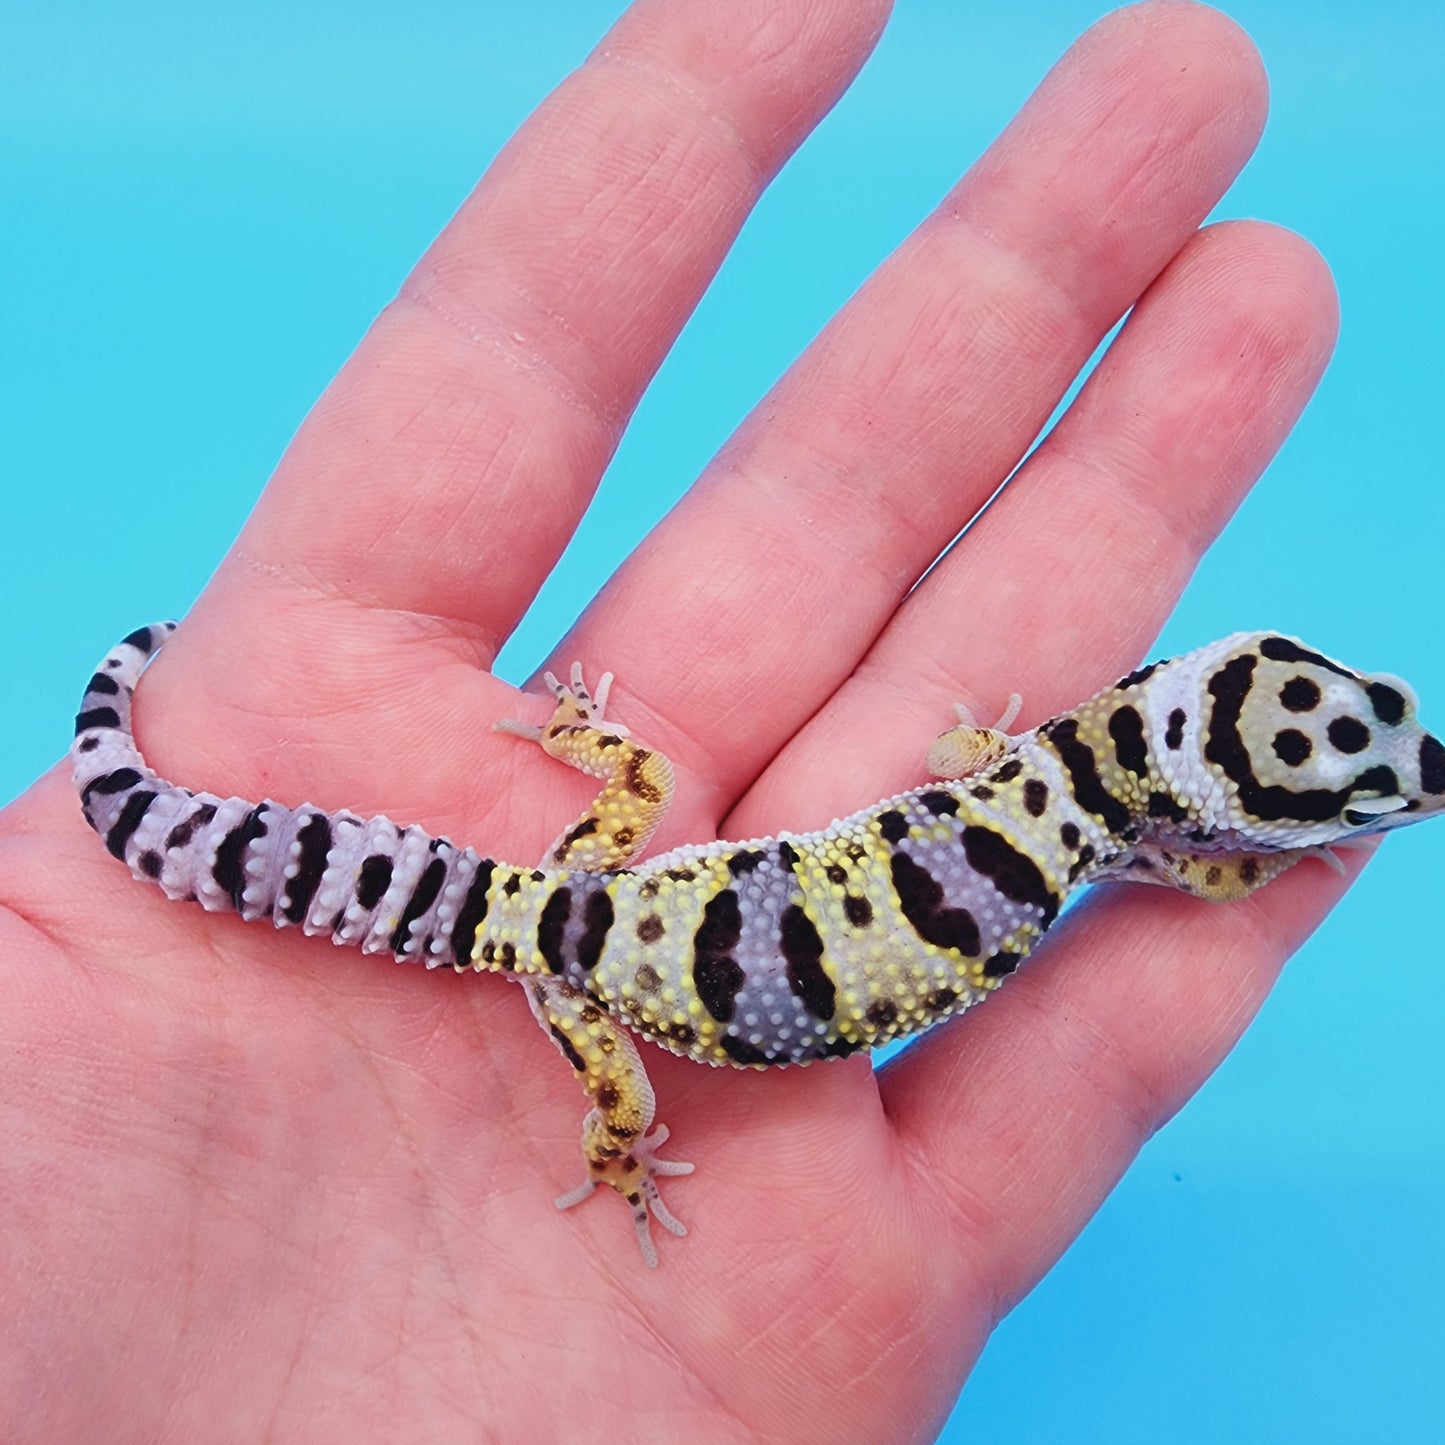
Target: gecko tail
x,y
361,881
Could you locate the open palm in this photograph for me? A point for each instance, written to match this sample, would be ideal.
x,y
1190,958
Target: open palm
x,y
255,1187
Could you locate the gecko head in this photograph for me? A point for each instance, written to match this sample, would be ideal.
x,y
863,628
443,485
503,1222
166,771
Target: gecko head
x,y
1314,745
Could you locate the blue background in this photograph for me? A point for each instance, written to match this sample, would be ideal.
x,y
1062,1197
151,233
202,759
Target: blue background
x,y
206,206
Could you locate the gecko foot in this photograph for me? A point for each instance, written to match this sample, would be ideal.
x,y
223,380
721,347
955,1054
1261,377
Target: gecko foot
x,y
634,1176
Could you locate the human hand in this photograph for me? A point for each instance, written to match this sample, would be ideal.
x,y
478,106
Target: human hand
x,y
258,1182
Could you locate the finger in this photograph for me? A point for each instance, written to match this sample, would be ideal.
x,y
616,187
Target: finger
x,y
438,478
1021,1118
1062,583
447,465
780,567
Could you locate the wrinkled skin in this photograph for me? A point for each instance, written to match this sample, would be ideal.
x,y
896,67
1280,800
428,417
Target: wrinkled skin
x,y
256,1188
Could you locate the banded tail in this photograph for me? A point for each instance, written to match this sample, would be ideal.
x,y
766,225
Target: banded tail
x,y
362,881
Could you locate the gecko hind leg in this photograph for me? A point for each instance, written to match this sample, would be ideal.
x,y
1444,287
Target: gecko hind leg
x,y
615,1141
637,782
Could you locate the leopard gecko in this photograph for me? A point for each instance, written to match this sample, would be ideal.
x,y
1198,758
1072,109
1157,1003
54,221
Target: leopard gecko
x,y
1211,773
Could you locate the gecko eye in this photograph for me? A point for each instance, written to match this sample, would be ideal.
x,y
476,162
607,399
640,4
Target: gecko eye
x,y
1366,812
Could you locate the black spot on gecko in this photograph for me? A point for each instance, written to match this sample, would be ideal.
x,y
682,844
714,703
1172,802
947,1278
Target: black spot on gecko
x,y
1086,856
229,867
423,896
1069,835
584,829
1432,764
607,1096
1300,694
150,863
882,1013
716,975
680,875
940,1000
1126,727
101,683
787,854
892,825
1014,874
740,1051
857,910
1248,871
1140,674
1281,649
140,639
552,928
472,912
185,830
597,919
1212,876
921,898
1083,769
1388,702
1349,734
1007,772
836,873
650,929
939,803
1165,805
565,1044
1001,964
647,978
1291,746
802,947
637,784
1036,797
373,879
745,861
314,840
1174,733
96,717
88,745
982,793
116,782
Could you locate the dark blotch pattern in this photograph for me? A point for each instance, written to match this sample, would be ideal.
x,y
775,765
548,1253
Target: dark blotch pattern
x,y
740,1051
893,825
882,1013
103,683
422,898
373,880
1126,727
228,870
565,1044
96,717
150,864
1165,805
1281,649
1174,733
921,898
108,783
1083,769
1349,734
551,927
716,974
1001,964
1292,746
1014,874
1432,764
1008,771
598,916
745,861
650,928
1069,835
1388,702
939,803
1300,694
802,947
472,913
1036,797
314,839
857,910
